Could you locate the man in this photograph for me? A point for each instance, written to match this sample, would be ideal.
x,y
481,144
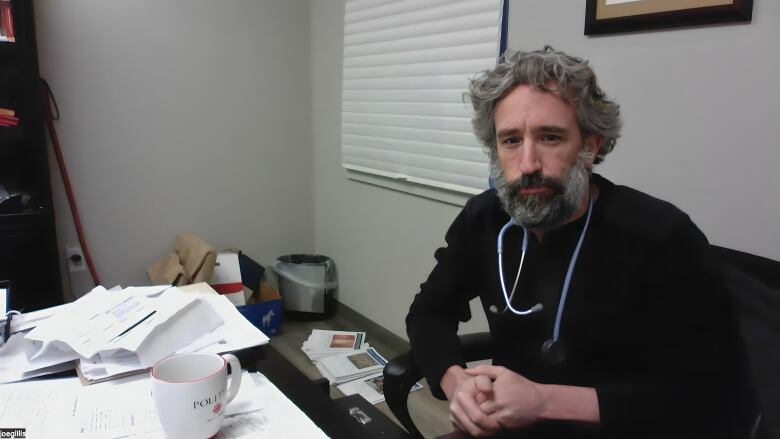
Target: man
x,y
600,303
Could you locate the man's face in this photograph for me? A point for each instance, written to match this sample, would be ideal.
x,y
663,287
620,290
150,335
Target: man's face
x,y
542,164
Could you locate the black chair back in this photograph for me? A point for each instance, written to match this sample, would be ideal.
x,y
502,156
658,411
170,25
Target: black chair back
x,y
753,283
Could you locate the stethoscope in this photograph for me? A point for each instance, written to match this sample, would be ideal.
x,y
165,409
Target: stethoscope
x,y
551,348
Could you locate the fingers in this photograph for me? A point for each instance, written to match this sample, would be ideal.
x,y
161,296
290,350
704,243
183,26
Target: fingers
x,y
484,389
491,372
467,415
489,407
462,422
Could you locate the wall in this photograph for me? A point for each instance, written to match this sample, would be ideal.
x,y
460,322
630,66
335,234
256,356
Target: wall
x,y
171,125
181,116
382,241
698,105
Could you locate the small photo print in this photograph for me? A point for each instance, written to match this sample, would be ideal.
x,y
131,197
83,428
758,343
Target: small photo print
x,y
362,360
342,341
378,384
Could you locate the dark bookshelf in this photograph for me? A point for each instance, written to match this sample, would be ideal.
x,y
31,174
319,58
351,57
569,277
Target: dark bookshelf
x,y
28,240
7,50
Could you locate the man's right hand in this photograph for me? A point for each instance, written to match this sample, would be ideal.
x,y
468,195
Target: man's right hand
x,y
466,393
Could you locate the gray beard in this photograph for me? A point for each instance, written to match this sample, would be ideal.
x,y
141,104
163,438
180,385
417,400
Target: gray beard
x,y
542,211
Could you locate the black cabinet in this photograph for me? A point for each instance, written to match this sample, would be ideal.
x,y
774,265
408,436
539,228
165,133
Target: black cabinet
x,y
28,242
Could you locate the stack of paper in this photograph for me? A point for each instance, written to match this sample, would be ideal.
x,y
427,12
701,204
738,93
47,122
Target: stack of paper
x,y
323,343
347,367
112,333
346,360
125,407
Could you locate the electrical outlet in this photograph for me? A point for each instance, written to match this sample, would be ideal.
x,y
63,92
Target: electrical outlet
x,y
76,260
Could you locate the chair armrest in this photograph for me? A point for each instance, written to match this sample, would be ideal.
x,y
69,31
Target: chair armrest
x,y
477,346
401,373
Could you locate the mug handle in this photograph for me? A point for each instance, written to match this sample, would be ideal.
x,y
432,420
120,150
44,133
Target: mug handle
x,y
234,381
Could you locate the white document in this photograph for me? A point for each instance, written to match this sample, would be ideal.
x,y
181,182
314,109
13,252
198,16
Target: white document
x,y
105,322
226,279
30,320
323,343
236,331
18,364
347,367
197,319
17,354
3,301
233,333
114,409
324,339
150,291
371,387
277,417
38,406
125,407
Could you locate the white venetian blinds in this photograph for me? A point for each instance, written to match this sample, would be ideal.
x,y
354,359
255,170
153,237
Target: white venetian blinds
x,y
407,64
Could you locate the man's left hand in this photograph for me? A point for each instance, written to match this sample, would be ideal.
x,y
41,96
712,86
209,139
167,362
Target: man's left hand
x,y
516,403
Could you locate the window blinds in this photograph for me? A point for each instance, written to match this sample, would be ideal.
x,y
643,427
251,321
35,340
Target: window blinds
x,y
407,64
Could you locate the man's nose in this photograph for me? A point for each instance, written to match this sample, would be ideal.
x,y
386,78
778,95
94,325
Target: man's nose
x,y
529,160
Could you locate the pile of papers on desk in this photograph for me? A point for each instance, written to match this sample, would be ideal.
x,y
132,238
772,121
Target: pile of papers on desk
x,y
321,343
125,407
114,333
347,360
347,367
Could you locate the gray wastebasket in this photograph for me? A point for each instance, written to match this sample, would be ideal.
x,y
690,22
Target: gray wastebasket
x,y
308,285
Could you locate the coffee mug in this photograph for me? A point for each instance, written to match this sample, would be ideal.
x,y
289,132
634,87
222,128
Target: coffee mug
x,y
191,391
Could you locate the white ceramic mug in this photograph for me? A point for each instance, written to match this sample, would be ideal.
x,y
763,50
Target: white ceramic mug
x,y
191,391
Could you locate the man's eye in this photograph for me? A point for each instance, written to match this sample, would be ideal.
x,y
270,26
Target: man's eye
x,y
549,138
510,141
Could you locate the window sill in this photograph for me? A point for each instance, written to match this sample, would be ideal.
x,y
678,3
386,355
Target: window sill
x,y
453,195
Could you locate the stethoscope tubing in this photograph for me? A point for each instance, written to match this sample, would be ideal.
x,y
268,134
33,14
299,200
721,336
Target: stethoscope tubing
x,y
567,280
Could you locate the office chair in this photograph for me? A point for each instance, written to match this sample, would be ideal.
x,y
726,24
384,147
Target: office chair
x,y
753,284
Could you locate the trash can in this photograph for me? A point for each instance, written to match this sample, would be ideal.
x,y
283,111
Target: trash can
x,y
308,285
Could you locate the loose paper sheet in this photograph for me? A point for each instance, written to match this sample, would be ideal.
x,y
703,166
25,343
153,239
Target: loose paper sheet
x,y
125,407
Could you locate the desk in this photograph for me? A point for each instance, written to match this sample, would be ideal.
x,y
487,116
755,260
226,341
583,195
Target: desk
x,y
328,414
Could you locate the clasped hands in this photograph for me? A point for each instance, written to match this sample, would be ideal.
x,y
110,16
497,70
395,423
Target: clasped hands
x,y
485,399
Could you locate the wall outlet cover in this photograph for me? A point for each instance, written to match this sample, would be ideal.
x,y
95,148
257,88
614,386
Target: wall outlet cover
x,y
75,260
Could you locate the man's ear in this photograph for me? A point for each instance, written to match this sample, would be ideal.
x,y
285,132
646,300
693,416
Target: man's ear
x,y
592,145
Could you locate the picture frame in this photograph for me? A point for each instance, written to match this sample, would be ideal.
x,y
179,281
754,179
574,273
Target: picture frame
x,y
615,16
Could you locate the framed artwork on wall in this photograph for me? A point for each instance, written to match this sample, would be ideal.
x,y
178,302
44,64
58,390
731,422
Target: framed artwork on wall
x,y
614,16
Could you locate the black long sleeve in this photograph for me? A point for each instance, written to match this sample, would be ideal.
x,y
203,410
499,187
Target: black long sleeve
x,y
643,323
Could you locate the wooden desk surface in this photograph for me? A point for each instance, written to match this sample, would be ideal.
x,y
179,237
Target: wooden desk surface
x,y
312,400
431,415
329,415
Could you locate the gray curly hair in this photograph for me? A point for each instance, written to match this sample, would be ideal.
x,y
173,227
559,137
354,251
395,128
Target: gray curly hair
x,y
550,71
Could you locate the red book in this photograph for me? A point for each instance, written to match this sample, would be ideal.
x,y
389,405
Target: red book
x,y
7,20
9,121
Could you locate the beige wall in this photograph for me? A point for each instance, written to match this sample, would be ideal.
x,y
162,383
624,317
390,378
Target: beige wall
x,y
225,121
699,106
181,116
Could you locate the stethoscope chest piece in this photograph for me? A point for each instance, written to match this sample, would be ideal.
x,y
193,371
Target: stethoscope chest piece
x,y
553,351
